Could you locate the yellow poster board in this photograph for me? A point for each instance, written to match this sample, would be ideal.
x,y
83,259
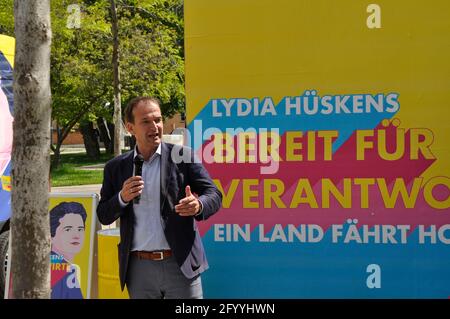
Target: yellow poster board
x,y
73,224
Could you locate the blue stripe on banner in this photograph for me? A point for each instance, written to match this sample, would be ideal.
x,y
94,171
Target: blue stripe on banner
x,y
325,269
345,117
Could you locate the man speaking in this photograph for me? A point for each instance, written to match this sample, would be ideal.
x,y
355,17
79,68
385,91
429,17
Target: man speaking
x,y
161,254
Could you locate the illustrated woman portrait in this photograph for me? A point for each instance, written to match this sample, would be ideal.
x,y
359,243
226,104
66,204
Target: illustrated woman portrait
x,y
67,225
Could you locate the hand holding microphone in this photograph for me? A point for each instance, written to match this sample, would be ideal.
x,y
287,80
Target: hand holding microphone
x,y
132,187
138,162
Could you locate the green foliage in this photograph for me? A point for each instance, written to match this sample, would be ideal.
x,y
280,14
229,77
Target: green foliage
x,y
151,57
151,53
7,17
151,35
80,74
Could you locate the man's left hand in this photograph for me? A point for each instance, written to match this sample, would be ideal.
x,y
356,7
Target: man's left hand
x,y
188,206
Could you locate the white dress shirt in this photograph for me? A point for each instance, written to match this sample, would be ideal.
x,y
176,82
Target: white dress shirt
x,y
148,224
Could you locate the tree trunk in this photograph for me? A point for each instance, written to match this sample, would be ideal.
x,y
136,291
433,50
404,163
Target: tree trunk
x,y
56,148
90,139
118,144
56,156
30,229
106,135
112,131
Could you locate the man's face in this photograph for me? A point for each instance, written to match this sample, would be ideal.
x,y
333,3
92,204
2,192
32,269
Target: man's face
x,y
148,125
69,235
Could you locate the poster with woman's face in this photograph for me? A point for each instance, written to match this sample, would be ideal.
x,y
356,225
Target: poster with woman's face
x,y
72,229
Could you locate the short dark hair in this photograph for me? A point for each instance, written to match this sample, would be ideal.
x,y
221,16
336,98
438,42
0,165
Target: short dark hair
x,y
60,210
129,117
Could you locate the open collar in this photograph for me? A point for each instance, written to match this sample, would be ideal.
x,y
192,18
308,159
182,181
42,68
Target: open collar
x,y
158,151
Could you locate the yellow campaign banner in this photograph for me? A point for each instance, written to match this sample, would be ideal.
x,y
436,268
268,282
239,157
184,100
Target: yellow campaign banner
x,y
72,228
325,124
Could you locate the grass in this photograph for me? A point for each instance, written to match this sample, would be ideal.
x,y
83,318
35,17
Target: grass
x,y
69,172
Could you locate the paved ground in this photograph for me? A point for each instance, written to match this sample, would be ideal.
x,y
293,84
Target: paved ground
x,y
76,148
95,188
96,167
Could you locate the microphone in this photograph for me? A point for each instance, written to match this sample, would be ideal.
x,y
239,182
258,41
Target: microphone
x,y
138,162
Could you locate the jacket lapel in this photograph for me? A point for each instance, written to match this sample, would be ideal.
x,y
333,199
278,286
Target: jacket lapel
x,y
127,167
165,173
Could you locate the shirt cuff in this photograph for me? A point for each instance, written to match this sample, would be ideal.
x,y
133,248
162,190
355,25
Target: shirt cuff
x,y
121,202
201,208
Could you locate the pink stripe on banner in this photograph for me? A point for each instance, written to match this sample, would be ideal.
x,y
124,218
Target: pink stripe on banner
x,y
342,166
